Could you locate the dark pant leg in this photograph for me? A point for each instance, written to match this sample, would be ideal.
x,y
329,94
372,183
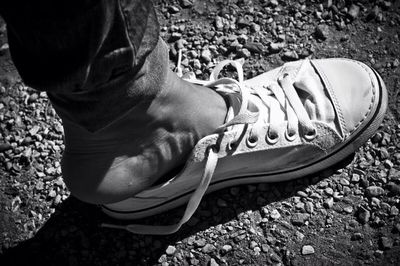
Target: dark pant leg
x,y
86,54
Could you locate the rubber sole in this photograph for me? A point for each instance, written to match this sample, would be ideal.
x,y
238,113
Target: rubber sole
x,y
356,139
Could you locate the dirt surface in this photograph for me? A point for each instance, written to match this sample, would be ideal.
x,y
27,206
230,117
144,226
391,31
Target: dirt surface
x,y
345,216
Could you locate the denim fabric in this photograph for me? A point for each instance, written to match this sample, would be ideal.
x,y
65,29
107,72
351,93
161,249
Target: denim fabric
x,y
86,54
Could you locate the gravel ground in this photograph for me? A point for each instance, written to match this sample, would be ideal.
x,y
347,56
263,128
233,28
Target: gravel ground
x,y
348,215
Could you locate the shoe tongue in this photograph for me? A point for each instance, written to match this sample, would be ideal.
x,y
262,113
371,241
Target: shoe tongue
x,y
313,94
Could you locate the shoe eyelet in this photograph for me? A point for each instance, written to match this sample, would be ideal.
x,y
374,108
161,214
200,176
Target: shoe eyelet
x,y
290,136
310,135
252,141
231,145
272,139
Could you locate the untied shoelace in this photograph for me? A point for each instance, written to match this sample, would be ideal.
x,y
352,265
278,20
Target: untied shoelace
x,y
274,96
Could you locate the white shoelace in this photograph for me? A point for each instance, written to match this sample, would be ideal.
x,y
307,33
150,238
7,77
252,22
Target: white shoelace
x,y
275,96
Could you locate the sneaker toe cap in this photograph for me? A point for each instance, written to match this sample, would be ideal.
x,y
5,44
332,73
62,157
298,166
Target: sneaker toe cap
x,y
353,88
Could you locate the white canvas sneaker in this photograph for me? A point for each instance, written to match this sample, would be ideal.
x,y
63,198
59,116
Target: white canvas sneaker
x,y
290,122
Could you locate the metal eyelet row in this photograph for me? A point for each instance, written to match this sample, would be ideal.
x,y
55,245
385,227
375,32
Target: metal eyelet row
x,y
252,140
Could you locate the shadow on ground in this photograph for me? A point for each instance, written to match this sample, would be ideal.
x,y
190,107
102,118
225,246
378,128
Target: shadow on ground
x,y
73,236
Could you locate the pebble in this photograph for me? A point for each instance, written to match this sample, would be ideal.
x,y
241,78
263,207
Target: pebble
x,y
393,188
309,207
328,203
276,47
201,242
196,64
374,191
386,243
5,147
397,228
299,218
213,262
375,202
186,3
52,193
275,214
299,236
208,248
323,184
244,53
206,55
307,250
302,194
354,10
226,248
363,215
394,211
348,209
170,250
357,236
328,191
173,9
344,182
290,56
355,178
321,32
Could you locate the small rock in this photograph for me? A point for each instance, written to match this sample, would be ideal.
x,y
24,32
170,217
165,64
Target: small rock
x,y
394,174
393,188
355,178
357,236
386,243
397,228
344,182
226,248
290,56
33,97
307,250
275,214
208,248
363,215
173,9
300,218
170,250
244,53
353,12
201,242
309,207
213,262
348,209
328,203
5,147
321,32
219,23
328,191
276,47
52,193
254,47
374,191
394,211
196,64
186,3
299,236
396,63
375,202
